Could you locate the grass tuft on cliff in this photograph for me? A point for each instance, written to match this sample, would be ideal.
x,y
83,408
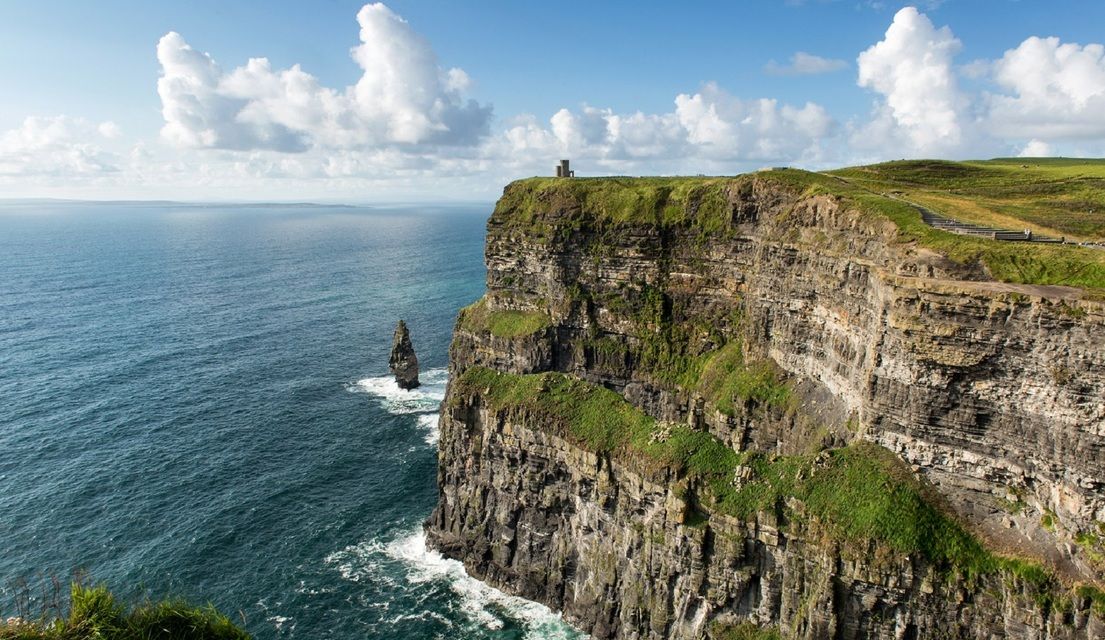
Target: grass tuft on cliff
x,y
727,378
502,323
743,631
95,614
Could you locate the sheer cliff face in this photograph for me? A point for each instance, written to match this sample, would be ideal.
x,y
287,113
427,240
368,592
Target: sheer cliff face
x,y
994,393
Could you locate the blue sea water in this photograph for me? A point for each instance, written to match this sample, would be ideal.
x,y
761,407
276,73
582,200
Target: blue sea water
x,y
193,401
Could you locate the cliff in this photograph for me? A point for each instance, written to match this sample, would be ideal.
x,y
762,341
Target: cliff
x,y
685,404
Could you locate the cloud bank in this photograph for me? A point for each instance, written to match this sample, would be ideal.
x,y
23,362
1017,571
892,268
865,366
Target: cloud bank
x,y
58,146
408,124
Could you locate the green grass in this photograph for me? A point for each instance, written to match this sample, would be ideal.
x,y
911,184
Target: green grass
x,y
698,201
95,614
726,380
743,631
1055,197
503,323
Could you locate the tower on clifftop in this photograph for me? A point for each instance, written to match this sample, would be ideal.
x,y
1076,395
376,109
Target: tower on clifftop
x,y
562,170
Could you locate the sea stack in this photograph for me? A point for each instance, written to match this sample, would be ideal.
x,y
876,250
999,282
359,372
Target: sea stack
x,y
403,362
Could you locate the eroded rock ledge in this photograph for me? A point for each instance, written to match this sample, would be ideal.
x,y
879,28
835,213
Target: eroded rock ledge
x,y
770,320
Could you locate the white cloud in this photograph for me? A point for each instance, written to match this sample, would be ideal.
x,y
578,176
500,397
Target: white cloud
x,y
1035,149
58,146
723,126
708,131
109,130
805,64
403,97
1057,91
921,106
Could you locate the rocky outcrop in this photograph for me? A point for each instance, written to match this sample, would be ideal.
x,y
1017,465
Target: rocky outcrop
x,y
993,393
403,362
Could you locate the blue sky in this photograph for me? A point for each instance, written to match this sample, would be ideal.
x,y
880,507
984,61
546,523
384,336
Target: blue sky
x,y
448,100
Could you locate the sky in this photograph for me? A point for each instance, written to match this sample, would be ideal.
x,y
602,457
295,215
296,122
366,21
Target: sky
x,y
433,100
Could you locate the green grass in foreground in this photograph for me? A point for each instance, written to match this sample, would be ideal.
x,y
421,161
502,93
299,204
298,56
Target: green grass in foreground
x,y
95,614
504,324
862,493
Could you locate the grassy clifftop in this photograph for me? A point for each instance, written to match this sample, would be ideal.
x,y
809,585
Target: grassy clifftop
x,y
1055,197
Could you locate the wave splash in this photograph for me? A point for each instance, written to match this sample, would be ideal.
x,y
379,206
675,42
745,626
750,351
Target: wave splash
x,y
423,402
421,568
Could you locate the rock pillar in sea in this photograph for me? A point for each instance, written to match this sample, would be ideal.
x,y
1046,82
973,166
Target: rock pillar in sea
x,y
403,362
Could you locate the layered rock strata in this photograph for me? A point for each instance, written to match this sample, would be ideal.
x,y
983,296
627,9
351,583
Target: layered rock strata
x,y
993,393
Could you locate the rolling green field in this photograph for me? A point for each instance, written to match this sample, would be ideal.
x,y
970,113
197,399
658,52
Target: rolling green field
x,y
1059,197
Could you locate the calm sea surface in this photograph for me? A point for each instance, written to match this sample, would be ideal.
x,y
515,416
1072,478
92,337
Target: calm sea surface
x,y
193,401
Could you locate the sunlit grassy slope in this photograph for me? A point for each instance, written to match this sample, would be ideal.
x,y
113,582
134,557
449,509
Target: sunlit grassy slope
x,y
1052,196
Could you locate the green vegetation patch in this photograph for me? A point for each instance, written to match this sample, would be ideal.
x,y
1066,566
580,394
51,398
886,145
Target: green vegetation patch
x,y
743,631
95,614
705,202
590,415
863,491
726,378
503,323
1057,197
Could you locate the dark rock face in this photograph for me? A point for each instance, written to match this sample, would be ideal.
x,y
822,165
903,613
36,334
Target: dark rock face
x,y
403,363
994,393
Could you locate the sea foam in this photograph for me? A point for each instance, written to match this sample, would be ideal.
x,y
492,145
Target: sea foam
x,y
398,401
481,604
422,402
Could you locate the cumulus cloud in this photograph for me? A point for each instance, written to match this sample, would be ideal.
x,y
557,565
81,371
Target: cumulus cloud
x,y
921,107
804,64
711,127
1035,149
1055,91
723,126
403,97
57,146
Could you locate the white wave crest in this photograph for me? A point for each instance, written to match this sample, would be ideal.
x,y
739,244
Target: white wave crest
x,y
427,422
480,603
396,401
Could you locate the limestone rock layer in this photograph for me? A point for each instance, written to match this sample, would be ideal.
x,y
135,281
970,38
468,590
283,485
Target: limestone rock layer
x,y
992,394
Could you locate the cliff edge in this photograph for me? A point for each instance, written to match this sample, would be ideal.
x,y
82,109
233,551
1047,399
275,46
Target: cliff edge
x,y
688,404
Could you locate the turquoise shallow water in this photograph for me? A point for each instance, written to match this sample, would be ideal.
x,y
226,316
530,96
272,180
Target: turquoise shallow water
x,y
193,401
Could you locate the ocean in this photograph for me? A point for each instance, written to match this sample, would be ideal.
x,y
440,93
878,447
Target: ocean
x,y
194,402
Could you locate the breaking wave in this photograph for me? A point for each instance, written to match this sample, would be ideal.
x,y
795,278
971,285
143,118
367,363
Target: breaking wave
x,y
405,562
422,402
